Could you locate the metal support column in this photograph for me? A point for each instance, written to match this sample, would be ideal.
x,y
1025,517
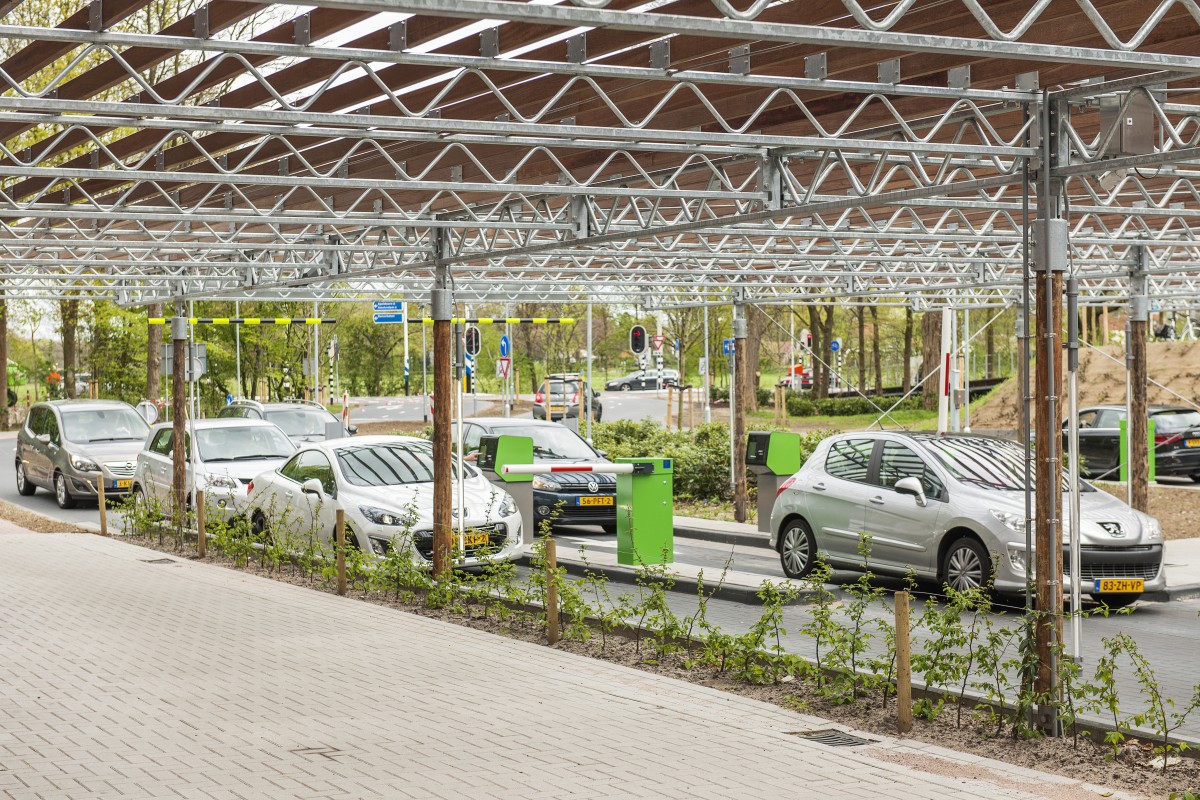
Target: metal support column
x,y
1073,468
179,355
237,344
587,395
737,399
708,368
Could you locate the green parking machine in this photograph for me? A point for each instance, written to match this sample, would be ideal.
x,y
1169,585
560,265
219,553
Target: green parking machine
x,y
495,452
645,512
773,457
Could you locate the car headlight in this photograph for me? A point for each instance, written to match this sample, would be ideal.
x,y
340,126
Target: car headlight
x,y
380,547
1152,528
1014,522
84,464
381,516
547,484
508,506
222,482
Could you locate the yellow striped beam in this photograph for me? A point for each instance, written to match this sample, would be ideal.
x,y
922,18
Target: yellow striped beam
x,y
502,321
249,320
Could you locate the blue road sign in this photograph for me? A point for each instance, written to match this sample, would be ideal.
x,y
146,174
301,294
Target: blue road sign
x,y
387,319
228,399
387,305
835,345
727,346
505,346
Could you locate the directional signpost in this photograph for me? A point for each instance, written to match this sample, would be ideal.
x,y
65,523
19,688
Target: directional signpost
x,y
505,346
388,312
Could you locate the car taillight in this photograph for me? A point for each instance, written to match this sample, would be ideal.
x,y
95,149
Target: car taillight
x,y
575,399
785,485
1166,438
250,487
537,398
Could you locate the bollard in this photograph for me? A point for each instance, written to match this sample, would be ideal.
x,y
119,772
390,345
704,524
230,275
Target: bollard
x,y
669,391
551,593
904,708
340,536
201,525
102,505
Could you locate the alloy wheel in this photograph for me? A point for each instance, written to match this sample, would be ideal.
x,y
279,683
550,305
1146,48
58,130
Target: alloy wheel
x,y
964,570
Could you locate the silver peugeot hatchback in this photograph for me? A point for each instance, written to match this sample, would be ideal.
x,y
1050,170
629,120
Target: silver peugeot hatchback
x,y
950,508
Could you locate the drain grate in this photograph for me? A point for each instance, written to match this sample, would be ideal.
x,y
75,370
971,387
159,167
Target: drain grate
x,y
158,560
321,751
832,738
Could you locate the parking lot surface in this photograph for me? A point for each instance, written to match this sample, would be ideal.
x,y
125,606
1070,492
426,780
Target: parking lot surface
x,y
125,677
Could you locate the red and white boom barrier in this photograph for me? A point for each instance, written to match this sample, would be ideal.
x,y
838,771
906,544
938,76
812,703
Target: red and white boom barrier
x,y
542,469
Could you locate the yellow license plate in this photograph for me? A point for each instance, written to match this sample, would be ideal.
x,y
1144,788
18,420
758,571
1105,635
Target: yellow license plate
x,y
123,484
1193,442
1120,585
475,539
596,501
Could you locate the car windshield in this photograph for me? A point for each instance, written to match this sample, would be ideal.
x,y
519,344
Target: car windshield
x,y
987,463
552,441
104,425
1176,420
242,443
301,421
390,464
558,388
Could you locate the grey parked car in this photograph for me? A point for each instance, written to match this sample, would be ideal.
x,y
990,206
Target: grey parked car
x,y
950,508
67,445
303,420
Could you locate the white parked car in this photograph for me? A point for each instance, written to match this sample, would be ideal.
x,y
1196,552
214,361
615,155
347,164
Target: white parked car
x,y
384,485
226,455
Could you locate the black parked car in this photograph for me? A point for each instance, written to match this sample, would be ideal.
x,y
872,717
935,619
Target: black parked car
x,y
568,498
1176,441
644,379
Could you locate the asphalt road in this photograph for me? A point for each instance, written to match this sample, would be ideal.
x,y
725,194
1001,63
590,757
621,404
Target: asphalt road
x,y
616,405
42,501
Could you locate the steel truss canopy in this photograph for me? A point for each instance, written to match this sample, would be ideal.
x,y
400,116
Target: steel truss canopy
x,y
651,151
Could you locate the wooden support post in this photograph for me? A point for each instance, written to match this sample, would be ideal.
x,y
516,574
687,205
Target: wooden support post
x,y
740,490
1139,415
179,353
340,539
102,505
551,592
1104,326
201,525
904,704
546,397
443,392
516,385
669,397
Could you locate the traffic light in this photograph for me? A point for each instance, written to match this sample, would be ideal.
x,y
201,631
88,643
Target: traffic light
x,y
472,341
637,340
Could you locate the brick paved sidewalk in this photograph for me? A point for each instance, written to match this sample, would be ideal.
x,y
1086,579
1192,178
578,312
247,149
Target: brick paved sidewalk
x,y
126,679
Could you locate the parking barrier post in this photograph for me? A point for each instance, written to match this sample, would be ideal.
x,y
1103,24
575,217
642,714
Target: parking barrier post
x,y
201,537
340,538
103,508
551,592
904,710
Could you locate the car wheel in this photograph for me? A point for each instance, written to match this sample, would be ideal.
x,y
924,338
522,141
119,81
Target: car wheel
x,y
61,493
258,527
966,565
1117,600
610,528
797,549
141,505
24,486
1195,476
625,387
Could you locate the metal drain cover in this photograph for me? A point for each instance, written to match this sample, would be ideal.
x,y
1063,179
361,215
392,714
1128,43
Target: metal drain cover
x,y
832,738
158,560
320,751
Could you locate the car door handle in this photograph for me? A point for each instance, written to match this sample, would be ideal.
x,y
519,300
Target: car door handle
x,y
877,501
820,487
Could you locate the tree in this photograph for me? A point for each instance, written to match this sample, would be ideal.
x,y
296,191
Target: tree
x,y
820,325
908,348
877,356
68,311
931,354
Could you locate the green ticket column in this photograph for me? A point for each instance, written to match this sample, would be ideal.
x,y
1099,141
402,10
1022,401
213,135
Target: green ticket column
x,y
495,452
645,512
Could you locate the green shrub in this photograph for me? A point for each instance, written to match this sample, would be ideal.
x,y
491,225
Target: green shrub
x,y
766,398
800,406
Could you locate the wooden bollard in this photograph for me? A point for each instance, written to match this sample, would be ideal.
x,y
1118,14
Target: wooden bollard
x,y
340,537
201,536
551,593
669,392
103,506
904,704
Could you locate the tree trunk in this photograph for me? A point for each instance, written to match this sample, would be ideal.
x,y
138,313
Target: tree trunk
x,y
154,337
69,310
4,363
756,327
862,349
990,342
875,351
908,348
931,353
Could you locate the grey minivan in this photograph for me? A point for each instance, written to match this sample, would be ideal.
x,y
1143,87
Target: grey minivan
x,y
67,445
950,508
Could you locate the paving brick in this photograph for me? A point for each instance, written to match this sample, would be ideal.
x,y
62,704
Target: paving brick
x,y
121,679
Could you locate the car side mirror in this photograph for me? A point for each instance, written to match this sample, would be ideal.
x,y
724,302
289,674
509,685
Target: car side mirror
x,y
352,429
313,486
602,453
595,394
44,438
911,486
